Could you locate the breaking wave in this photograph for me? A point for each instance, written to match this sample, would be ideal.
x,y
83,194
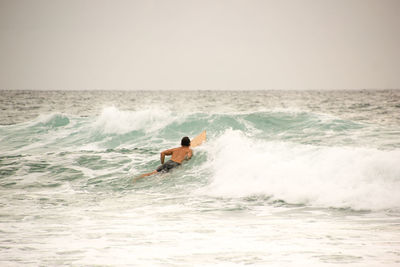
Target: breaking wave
x,y
341,177
298,157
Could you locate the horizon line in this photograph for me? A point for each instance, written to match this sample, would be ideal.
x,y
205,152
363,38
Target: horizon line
x,y
205,90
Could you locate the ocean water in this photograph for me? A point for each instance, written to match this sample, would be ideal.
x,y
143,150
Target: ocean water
x,y
286,178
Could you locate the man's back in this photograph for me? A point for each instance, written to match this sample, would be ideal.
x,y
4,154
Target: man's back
x,y
179,154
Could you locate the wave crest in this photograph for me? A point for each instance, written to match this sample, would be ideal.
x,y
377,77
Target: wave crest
x,y
53,120
114,121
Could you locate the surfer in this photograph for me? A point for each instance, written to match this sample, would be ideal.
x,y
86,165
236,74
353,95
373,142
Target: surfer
x,y
178,155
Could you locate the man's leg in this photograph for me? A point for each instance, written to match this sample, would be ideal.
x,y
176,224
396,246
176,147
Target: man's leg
x,y
144,175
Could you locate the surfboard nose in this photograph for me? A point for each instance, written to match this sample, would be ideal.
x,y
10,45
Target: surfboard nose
x,y
198,140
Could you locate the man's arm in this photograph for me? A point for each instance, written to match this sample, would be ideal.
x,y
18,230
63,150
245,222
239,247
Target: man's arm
x,y
166,152
190,154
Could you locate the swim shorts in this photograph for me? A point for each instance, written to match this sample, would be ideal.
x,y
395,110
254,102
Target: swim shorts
x,y
168,166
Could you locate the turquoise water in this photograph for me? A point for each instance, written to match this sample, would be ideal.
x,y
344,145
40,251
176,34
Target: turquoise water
x,y
286,178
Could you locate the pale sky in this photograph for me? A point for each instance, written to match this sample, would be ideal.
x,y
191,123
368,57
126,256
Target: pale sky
x,y
205,44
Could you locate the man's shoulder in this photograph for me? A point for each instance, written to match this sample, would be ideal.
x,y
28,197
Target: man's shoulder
x,y
184,149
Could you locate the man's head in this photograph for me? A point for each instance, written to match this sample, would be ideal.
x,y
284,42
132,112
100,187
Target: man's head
x,y
185,141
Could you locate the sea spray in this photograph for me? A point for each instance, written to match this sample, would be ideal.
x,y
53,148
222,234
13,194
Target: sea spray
x,y
341,177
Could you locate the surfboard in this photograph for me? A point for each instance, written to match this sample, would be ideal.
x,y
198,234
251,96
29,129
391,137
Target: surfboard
x,y
198,140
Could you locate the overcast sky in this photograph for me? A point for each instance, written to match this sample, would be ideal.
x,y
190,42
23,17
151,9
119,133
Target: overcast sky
x,y
207,44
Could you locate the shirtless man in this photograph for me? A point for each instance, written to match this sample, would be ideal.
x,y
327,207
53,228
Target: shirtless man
x,y
178,155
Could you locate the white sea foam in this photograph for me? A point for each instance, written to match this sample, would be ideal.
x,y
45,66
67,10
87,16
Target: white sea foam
x,y
353,177
113,120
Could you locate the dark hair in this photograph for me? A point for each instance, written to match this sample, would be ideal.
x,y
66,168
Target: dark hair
x,y
185,141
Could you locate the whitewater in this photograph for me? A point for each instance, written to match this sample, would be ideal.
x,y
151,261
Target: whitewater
x,y
285,178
